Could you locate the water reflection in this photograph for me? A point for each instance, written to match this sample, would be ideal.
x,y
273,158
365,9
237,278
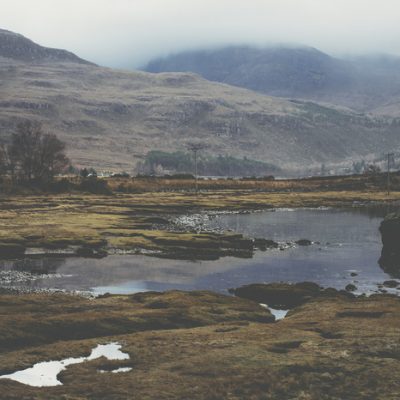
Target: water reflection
x,y
38,266
348,250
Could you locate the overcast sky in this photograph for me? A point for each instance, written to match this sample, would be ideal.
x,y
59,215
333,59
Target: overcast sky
x,y
127,33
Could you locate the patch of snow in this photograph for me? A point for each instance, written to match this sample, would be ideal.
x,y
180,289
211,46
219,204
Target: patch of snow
x,y
116,371
45,373
278,314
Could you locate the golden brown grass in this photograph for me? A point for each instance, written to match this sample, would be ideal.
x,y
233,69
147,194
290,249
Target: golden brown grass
x,y
122,220
200,345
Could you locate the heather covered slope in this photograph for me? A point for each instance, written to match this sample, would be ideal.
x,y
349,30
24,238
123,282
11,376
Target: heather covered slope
x,y
367,84
110,118
102,113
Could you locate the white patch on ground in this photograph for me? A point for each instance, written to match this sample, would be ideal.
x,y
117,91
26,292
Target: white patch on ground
x,y
116,371
278,314
45,373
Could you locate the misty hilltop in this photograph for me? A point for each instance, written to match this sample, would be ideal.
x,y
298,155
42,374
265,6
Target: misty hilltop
x,y
18,47
366,84
110,119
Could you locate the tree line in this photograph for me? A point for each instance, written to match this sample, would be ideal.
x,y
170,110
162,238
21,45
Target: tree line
x,y
158,162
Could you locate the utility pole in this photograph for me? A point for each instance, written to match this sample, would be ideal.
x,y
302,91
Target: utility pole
x,y
195,148
389,160
195,168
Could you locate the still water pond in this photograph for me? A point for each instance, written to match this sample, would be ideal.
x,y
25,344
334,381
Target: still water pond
x,y
348,242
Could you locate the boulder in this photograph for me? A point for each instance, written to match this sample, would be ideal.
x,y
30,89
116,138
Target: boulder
x,y
304,242
88,252
391,284
390,256
351,288
264,244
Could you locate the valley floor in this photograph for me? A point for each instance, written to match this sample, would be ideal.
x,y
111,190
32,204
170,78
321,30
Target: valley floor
x,y
197,345
201,345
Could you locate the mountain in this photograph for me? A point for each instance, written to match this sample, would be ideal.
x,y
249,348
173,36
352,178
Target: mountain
x,y
18,47
110,119
365,84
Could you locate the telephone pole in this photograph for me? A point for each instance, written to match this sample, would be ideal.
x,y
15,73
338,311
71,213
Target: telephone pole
x,y
390,157
195,148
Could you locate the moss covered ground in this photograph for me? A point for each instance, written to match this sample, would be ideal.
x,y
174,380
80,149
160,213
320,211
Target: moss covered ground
x,y
201,345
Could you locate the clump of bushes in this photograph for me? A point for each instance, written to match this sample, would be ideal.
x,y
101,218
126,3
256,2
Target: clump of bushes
x,y
94,185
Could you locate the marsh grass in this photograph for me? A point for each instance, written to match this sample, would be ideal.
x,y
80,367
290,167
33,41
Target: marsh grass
x,y
141,221
201,345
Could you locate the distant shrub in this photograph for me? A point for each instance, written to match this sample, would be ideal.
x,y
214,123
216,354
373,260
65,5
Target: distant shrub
x,y
88,173
145,176
372,169
120,175
94,185
180,163
60,186
179,176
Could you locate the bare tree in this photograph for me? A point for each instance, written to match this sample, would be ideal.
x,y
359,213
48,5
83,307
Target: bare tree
x,y
35,155
52,159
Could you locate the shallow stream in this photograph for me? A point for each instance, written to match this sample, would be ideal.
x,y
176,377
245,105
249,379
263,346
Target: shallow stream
x,y
346,248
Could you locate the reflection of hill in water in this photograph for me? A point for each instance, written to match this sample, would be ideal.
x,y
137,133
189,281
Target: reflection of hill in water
x,y
377,211
349,241
38,266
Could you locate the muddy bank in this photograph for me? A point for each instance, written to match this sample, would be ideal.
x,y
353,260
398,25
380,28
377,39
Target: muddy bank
x,y
201,345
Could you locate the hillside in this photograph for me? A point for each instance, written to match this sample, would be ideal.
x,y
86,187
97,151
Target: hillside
x,y
111,119
365,84
18,47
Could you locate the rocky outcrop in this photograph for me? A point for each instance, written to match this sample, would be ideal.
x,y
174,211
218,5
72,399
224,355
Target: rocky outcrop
x,y
390,257
304,242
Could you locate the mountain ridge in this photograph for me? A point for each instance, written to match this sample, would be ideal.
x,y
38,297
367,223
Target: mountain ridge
x,y
110,118
365,84
18,47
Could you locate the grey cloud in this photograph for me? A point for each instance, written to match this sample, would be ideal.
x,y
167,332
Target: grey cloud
x,y
126,33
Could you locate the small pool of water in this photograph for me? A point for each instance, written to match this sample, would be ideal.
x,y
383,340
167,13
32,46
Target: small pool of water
x,y
278,314
346,249
45,374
